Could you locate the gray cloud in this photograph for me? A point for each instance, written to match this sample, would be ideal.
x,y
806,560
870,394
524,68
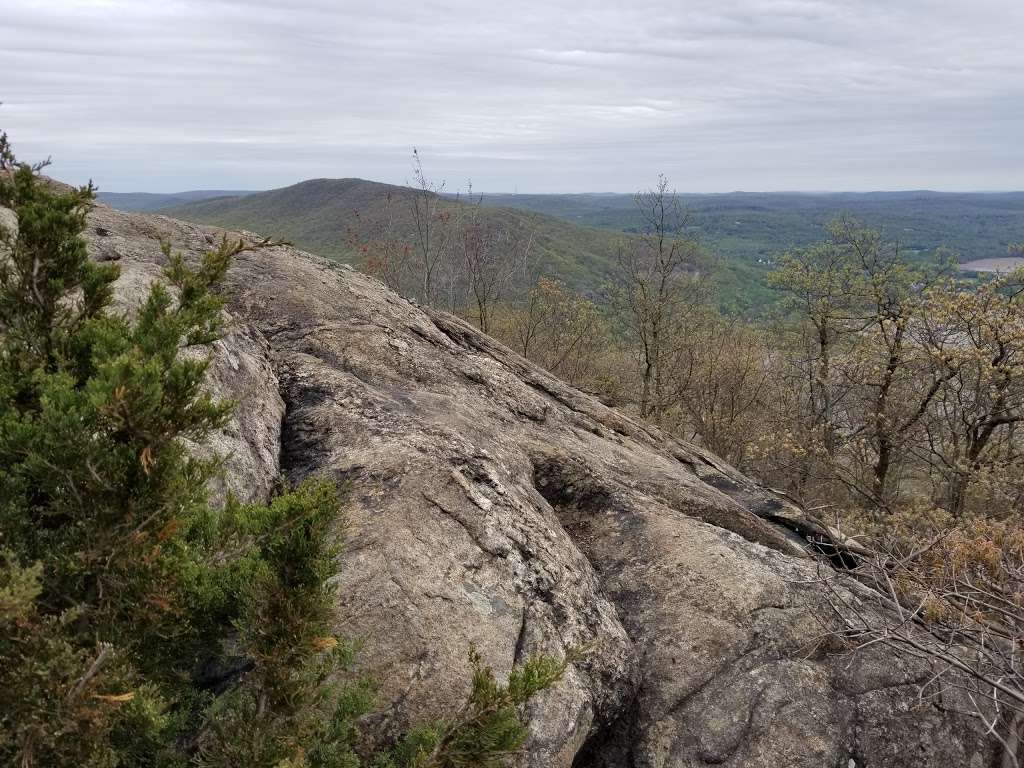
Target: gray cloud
x,y
539,95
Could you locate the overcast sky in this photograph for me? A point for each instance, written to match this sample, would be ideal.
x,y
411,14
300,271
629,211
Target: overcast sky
x,y
534,96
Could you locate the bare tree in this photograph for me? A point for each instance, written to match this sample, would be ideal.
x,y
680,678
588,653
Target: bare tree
x,y
720,381
383,252
560,331
493,257
954,603
661,284
820,283
869,382
976,341
443,252
889,372
432,230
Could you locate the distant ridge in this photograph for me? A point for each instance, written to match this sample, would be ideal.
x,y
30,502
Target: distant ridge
x,y
147,202
317,215
577,236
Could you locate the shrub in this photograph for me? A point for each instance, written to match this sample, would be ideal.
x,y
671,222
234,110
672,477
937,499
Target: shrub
x,y
138,625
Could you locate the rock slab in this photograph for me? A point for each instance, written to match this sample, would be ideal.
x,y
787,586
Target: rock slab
x,y
492,505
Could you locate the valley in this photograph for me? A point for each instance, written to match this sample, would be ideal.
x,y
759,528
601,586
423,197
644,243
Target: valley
x,y
577,236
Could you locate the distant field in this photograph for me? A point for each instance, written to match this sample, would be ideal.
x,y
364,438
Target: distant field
x,y
1001,265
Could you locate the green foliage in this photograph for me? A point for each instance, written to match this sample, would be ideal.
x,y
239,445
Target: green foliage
x,y
106,589
490,726
287,710
138,625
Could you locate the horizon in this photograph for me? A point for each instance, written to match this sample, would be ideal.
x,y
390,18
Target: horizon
x,y
609,193
719,95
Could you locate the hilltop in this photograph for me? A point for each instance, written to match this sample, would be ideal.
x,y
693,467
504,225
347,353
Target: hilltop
x,y
317,214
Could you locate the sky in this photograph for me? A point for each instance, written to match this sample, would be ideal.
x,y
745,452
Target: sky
x,y
519,95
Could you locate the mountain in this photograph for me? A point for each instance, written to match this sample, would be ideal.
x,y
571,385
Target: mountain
x,y
318,213
152,201
577,236
315,214
492,506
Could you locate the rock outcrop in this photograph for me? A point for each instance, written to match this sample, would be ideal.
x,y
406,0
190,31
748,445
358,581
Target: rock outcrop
x,y
493,505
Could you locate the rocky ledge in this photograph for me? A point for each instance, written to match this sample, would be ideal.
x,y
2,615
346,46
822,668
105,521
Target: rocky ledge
x,y
492,505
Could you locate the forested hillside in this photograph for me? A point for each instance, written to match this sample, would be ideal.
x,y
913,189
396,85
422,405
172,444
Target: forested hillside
x,y
761,225
976,225
324,215
576,236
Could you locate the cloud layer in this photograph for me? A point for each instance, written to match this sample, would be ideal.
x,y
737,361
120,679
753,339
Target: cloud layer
x,y
534,95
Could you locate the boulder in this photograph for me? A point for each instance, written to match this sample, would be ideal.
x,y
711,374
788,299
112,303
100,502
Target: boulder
x,y
492,505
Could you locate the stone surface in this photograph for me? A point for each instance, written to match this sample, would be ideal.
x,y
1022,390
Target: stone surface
x,y
491,504
8,231
8,223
